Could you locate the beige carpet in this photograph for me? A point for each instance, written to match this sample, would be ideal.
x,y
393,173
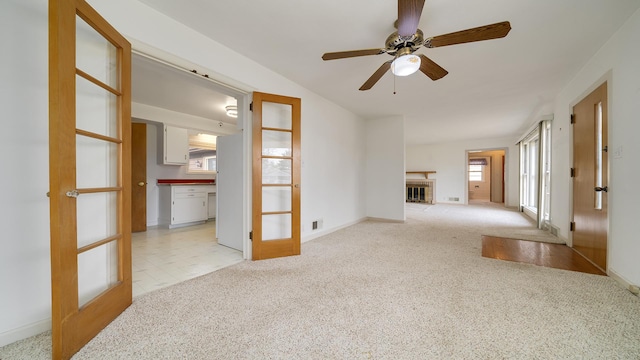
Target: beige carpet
x,y
377,290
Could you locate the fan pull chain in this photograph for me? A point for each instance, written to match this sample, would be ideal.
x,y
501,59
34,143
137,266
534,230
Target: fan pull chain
x,y
394,84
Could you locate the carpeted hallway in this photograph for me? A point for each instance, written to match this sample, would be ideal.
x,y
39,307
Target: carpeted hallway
x,y
378,290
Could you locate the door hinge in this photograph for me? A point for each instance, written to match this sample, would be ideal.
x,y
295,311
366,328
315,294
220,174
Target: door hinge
x,y
251,106
573,119
251,235
572,226
606,148
573,172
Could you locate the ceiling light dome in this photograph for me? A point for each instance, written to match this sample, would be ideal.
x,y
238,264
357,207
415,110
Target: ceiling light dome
x,y
406,64
232,111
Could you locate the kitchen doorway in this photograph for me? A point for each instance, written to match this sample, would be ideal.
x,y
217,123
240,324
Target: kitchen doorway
x,y
166,95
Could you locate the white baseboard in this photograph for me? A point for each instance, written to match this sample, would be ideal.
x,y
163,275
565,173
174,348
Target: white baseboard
x,y
386,220
317,234
24,332
620,279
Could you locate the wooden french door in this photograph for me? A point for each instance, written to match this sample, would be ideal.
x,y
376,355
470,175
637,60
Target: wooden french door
x,y
590,163
138,177
89,174
276,176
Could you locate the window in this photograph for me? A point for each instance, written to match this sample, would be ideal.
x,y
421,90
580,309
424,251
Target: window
x,y
529,171
535,173
475,172
202,154
476,169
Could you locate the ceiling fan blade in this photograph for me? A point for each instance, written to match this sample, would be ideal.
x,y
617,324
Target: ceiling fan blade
x,y
376,76
352,53
431,69
409,12
487,32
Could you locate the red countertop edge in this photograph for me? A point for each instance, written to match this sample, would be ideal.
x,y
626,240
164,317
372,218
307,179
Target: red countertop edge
x,y
187,181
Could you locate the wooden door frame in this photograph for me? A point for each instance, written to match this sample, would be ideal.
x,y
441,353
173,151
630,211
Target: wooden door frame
x,y
134,182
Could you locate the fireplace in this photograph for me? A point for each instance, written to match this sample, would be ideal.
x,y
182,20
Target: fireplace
x,y
420,191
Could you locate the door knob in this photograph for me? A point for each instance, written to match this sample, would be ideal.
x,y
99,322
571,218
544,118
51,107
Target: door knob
x,y
605,189
141,183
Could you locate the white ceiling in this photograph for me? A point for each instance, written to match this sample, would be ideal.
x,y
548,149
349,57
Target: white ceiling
x,y
163,86
493,87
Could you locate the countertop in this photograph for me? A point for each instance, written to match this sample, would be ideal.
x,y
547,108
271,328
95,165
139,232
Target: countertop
x,y
186,181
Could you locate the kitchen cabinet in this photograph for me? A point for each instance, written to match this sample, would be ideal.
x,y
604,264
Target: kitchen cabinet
x,y
175,146
182,205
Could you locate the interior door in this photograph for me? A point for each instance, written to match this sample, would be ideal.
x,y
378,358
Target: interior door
x,y
276,176
89,174
229,191
590,163
138,177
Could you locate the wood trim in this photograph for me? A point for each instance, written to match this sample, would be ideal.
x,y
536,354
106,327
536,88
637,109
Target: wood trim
x,y
425,173
99,243
97,82
98,136
99,190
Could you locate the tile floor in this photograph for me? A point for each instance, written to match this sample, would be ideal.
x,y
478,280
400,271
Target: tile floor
x,y
163,257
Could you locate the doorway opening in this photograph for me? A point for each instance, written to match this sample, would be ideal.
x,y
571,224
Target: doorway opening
x,y
486,176
164,95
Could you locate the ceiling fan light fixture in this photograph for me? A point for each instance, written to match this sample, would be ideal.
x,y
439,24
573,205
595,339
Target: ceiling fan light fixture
x,y
405,65
232,111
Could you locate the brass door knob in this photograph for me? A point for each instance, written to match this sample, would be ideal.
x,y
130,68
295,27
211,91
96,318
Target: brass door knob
x,y
141,183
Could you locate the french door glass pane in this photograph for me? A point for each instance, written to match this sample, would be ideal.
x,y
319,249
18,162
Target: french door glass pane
x,y
96,109
95,55
97,271
276,143
276,171
276,198
276,115
96,217
276,227
96,163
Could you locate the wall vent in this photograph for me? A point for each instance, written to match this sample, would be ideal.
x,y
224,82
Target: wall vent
x,y
316,224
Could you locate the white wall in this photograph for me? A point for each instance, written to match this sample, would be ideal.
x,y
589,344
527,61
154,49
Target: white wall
x,y
385,173
332,175
616,62
449,160
25,276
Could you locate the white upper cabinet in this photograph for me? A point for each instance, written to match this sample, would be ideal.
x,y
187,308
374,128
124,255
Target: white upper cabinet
x,y
176,146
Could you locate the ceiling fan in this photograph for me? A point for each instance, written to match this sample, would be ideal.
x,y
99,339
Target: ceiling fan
x,y
403,43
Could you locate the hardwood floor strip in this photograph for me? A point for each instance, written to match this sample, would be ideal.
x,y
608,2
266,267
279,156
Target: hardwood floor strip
x,y
538,253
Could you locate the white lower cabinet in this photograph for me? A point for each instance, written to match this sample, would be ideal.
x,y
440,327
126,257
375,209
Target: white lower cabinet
x,y
182,205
